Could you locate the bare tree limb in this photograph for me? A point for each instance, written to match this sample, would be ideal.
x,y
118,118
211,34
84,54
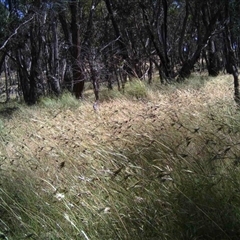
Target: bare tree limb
x,y
15,32
115,40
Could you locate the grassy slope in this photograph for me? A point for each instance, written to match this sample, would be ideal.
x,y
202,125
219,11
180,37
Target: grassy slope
x,y
163,165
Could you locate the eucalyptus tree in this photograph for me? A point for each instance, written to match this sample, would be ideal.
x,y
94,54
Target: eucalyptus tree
x,y
15,24
57,44
3,35
155,20
77,22
27,52
71,28
25,45
49,45
53,61
205,22
4,21
231,63
129,37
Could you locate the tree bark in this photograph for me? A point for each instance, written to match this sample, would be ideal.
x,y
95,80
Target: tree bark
x,y
213,59
188,65
54,74
184,25
6,79
159,42
120,42
232,66
78,77
231,61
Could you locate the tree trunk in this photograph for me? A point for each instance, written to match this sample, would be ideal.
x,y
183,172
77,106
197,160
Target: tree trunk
x,y
95,82
54,74
78,77
231,61
35,81
213,59
6,79
120,42
188,65
184,25
2,59
150,71
160,44
232,66
23,76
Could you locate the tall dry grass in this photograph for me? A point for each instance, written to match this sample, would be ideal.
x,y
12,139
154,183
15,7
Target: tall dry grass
x,y
152,163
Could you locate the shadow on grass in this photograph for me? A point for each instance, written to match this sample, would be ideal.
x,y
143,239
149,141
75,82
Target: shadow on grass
x,y
7,111
24,213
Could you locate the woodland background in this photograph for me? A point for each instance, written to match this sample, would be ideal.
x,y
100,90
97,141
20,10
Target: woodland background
x,y
50,46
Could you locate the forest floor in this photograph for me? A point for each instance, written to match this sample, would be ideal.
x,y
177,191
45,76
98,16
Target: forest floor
x,y
157,162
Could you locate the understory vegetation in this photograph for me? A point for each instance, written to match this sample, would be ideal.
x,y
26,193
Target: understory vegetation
x,y
152,162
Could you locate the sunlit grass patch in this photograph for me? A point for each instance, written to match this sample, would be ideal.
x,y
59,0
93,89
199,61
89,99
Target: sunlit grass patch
x,y
65,100
136,89
110,94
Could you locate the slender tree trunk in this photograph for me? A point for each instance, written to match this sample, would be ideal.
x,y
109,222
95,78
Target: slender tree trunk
x,y
34,83
67,69
2,59
78,77
213,61
160,45
231,60
184,25
6,80
120,42
54,71
232,66
167,63
95,82
88,51
23,76
150,71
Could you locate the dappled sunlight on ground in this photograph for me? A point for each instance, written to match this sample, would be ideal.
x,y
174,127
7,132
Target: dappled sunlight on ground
x,y
52,139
